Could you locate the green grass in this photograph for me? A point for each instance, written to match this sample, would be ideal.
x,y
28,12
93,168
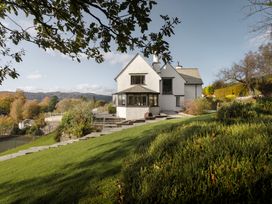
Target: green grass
x,y
203,162
85,172
43,140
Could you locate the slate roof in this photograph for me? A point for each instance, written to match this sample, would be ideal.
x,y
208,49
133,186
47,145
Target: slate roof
x,y
190,75
137,89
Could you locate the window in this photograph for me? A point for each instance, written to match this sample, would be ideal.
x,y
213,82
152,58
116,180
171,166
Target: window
x,y
137,100
153,100
122,100
166,86
177,101
137,79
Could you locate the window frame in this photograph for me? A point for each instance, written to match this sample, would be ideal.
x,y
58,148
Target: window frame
x,y
133,80
163,86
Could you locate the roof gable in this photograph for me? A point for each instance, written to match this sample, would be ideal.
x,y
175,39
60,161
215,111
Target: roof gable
x,y
169,66
190,75
131,61
138,89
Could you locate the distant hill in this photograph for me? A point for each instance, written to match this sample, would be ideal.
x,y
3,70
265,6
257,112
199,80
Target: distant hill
x,y
62,95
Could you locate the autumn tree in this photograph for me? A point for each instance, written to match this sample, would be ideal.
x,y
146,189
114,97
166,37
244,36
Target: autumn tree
x,y
243,72
217,84
44,104
208,90
31,109
67,104
16,110
6,125
5,103
264,61
82,28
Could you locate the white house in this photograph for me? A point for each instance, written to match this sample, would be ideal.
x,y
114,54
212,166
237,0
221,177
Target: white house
x,y
144,88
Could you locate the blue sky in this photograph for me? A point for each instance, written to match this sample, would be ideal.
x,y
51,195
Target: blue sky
x,y
213,34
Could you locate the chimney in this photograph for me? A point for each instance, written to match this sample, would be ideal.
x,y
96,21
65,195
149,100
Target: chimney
x,y
178,66
156,63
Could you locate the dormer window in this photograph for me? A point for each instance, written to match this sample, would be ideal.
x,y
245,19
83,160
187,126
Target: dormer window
x,y
137,79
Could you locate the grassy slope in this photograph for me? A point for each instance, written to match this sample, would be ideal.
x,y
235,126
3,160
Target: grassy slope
x,y
44,140
86,171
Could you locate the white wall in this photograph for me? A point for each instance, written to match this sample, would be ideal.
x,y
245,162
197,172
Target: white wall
x,y
121,112
138,65
168,102
132,113
193,91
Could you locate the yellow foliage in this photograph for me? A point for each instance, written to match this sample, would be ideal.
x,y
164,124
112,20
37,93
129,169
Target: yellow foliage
x,y
235,89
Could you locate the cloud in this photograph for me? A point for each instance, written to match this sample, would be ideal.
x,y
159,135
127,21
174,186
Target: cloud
x,y
117,58
34,76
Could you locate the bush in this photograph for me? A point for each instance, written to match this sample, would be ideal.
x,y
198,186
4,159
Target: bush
x,y
264,105
236,111
111,109
78,121
202,162
34,131
197,106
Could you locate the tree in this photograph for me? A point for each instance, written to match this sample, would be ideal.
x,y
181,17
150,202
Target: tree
x,y
82,28
208,90
6,125
5,103
78,121
44,104
52,103
263,8
31,109
16,110
217,84
243,72
264,79
67,104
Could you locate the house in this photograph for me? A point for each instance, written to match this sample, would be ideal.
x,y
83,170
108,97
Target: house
x,y
143,88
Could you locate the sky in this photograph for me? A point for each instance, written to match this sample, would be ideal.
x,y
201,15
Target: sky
x,y
213,34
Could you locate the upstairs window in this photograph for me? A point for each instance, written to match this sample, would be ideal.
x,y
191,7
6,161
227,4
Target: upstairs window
x,y
137,79
167,86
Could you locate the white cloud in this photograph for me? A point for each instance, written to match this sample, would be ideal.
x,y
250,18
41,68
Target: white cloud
x,y
110,57
34,76
117,58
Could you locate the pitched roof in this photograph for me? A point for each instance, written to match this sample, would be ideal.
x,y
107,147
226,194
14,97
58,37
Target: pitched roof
x,y
131,62
190,75
137,89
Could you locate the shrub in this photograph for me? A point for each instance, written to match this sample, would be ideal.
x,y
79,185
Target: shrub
x,y
6,125
264,105
78,121
202,162
197,106
111,109
236,111
34,131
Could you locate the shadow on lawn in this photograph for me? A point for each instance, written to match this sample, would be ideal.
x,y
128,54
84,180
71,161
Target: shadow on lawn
x,y
80,180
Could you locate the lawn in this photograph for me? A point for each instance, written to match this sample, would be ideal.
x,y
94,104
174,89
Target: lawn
x,y
43,140
85,172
